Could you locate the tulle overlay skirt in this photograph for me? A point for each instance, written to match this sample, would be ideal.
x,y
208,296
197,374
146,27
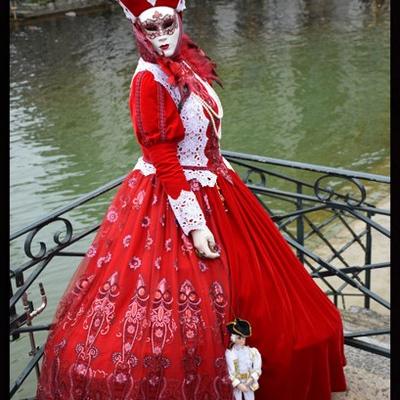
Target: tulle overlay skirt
x,y
144,317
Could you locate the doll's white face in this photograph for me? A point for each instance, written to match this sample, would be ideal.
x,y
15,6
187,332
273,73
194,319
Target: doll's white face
x,y
162,28
240,340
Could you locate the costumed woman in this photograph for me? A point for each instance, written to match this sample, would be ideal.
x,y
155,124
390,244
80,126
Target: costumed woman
x,y
184,248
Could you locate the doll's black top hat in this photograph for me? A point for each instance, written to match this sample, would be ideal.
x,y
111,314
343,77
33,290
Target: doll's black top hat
x,y
239,327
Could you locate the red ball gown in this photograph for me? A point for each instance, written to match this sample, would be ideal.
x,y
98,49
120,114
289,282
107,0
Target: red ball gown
x,y
145,318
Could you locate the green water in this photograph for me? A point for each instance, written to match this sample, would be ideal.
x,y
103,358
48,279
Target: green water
x,y
303,80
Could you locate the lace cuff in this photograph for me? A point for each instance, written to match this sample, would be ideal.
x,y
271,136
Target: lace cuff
x,y
145,167
187,211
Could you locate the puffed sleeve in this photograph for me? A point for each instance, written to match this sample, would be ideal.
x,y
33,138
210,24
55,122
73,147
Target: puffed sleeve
x,y
256,358
158,128
229,357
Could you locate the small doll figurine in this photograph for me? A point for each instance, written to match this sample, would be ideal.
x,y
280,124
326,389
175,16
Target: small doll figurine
x,y
244,362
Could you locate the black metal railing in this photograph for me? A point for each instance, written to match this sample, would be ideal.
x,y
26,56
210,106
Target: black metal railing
x,y
322,212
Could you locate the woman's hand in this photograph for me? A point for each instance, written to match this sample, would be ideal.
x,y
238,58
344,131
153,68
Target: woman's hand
x,y
204,243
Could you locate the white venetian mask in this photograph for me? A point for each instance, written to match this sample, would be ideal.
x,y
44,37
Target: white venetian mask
x,y
162,27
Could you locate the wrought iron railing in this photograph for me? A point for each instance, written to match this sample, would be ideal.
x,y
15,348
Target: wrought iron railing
x,y
309,203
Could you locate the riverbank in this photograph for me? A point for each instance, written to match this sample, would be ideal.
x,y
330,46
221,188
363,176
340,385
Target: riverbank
x,y
33,10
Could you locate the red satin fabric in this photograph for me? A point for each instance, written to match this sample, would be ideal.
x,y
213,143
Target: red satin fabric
x,y
144,317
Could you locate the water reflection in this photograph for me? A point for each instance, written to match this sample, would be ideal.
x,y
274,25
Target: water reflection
x,y
250,21
201,21
296,74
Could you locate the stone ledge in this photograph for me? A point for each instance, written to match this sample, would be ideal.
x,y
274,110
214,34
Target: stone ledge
x,y
368,375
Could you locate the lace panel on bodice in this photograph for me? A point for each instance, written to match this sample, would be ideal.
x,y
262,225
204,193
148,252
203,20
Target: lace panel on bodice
x,y
191,149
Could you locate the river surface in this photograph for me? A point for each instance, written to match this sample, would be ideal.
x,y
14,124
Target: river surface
x,y
303,80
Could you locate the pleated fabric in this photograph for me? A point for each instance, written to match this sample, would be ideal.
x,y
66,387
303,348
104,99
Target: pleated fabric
x,y
145,318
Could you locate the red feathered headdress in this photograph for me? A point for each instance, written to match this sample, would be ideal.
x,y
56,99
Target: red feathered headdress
x,y
133,8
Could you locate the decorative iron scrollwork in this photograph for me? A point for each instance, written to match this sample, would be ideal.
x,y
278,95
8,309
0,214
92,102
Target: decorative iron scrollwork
x,y
57,238
263,179
325,193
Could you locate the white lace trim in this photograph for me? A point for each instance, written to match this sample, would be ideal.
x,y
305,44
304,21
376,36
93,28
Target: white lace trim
x,y
145,167
205,177
188,211
191,147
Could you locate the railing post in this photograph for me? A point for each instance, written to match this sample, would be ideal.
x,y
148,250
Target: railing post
x,y
13,312
368,258
28,307
300,222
